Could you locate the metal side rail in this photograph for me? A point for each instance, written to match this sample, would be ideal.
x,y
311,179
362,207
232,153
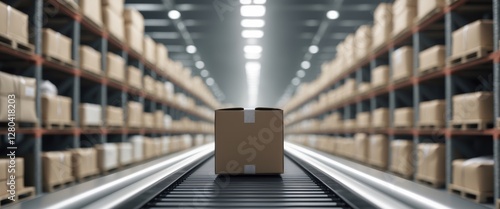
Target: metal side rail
x,y
146,174
409,193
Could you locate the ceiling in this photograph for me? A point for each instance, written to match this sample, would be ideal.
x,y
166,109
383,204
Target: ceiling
x,y
290,27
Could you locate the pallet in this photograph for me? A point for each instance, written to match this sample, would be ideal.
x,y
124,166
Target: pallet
x,y
58,126
434,184
54,187
402,127
466,193
429,70
400,34
474,54
92,73
86,178
471,125
13,44
58,61
91,22
91,127
428,15
401,80
430,127
22,194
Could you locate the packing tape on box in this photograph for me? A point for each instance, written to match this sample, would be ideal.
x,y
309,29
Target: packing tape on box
x,y
249,115
488,160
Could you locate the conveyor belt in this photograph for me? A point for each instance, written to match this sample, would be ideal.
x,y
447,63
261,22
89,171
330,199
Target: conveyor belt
x,y
201,188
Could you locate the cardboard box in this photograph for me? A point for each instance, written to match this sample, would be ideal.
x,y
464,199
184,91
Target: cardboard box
x,y
114,116
403,117
402,157
114,5
113,22
457,172
107,156
115,68
56,110
402,61
138,144
13,24
363,41
10,167
133,37
149,49
473,107
433,57
149,85
364,88
361,145
25,110
165,144
349,124
57,168
381,33
4,164
431,163
148,148
134,114
404,12
84,162
378,151
427,7
148,120
22,87
3,187
432,113
56,45
363,120
383,14
160,90
471,37
475,174
92,10
236,128
90,115
90,60
380,118
125,153
161,56
157,147
380,76
134,77
134,18
158,119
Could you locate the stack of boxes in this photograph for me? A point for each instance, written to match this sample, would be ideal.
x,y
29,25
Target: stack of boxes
x,y
404,12
57,169
134,29
112,13
402,64
14,24
427,8
382,25
56,110
92,10
56,46
24,89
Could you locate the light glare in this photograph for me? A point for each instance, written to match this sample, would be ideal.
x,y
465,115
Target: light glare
x,y
253,11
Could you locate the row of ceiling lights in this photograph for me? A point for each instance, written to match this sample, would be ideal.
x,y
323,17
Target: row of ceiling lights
x,y
252,11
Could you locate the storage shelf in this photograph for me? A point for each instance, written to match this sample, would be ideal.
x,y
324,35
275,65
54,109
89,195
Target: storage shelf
x,y
78,131
413,132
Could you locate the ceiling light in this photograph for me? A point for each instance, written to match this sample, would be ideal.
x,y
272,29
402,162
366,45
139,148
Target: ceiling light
x,y
259,1
296,81
301,73
252,49
252,56
174,14
210,81
191,49
252,34
313,49
204,73
252,66
253,11
200,64
332,14
253,23
245,1
305,65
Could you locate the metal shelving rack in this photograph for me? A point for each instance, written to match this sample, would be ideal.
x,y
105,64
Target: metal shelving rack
x,y
82,87
418,88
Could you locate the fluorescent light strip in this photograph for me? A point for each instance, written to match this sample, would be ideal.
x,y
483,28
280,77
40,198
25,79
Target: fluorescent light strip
x,y
252,34
253,10
253,23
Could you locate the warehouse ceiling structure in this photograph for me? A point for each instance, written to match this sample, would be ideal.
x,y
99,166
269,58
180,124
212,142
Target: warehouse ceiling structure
x,y
212,37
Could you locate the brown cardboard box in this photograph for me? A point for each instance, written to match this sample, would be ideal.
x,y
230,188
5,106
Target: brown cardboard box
x,y
134,18
3,188
158,119
134,37
432,113
478,174
22,87
148,120
10,167
404,12
380,118
134,77
403,117
149,49
472,107
114,116
13,24
402,157
350,124
149,148
160,90
363,41
56,45
56,110
134,114
161,56
380,76
427,7
402,60
90,60
432,57
115,5
364,88
363,120
458,172
56,168
431,163
25,110
114,23
378,151
361,147
115,69
383,13
4,163
472,37
107,156
249,141
92,10
381,33
84,162
149,85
